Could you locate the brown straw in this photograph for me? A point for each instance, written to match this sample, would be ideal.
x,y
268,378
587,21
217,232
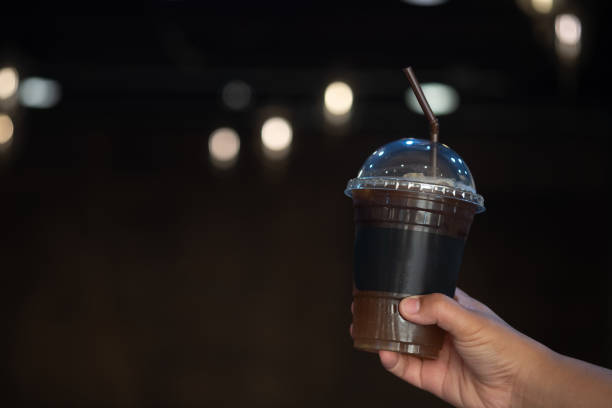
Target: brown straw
x,y
434,128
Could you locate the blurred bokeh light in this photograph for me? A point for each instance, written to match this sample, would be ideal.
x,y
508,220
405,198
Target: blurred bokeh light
x,y
443,99
338,98
568,29
39,93
236,95
224,145
9,82
542,6
276,137
568,38
6,129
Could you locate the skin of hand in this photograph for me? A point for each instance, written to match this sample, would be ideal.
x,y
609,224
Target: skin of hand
x,y
486,363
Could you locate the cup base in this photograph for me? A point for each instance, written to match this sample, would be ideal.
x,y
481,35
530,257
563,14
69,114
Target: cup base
x,y
374,346
378,325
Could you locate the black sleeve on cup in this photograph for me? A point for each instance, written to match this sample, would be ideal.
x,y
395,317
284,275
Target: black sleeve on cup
x,y
406,261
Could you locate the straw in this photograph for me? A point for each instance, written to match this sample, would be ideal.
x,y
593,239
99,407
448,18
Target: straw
x,y
434,127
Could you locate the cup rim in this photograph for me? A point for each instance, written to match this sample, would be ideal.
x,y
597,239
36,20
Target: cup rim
x,y
400,184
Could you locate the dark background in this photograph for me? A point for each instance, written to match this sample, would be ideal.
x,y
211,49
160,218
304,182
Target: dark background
x,y
135,273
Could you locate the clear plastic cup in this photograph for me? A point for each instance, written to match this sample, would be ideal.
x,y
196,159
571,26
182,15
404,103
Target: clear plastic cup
x,y
414,203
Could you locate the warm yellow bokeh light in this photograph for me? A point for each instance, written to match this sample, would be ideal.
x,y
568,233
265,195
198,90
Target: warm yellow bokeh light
x,y
338,98
276,134
6,129
542,6
9,82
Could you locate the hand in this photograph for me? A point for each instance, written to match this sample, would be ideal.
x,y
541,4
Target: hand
x,y
480,361
486,363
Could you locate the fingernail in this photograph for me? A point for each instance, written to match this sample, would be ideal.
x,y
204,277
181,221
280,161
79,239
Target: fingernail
x,y
411,305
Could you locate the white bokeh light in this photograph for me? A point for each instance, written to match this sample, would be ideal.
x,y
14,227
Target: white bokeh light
x,y
223,146
542,6
443,99
9,82
276,134
568,29
39,93
6,129
338,98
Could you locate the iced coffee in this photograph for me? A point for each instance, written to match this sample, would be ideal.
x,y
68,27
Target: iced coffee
x,y
412,220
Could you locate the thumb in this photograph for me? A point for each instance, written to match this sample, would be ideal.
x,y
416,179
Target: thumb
x,y
443,311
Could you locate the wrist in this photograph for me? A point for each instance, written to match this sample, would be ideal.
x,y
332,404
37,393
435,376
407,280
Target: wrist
x,y
536,381
554,380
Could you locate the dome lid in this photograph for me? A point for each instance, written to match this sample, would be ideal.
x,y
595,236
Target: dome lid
x,y
420,166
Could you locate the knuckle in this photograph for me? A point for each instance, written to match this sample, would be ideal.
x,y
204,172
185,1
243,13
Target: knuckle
x,y
438,300
439,296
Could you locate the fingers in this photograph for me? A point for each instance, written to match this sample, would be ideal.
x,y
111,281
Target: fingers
x,y
389,360
443,311
402,365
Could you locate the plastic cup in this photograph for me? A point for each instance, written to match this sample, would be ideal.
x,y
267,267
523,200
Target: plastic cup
x,y
411,223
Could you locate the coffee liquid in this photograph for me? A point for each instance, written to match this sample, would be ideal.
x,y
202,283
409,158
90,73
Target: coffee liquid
x,y
406,243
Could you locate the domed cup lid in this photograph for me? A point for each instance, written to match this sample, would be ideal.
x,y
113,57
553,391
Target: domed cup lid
x,y
418,165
